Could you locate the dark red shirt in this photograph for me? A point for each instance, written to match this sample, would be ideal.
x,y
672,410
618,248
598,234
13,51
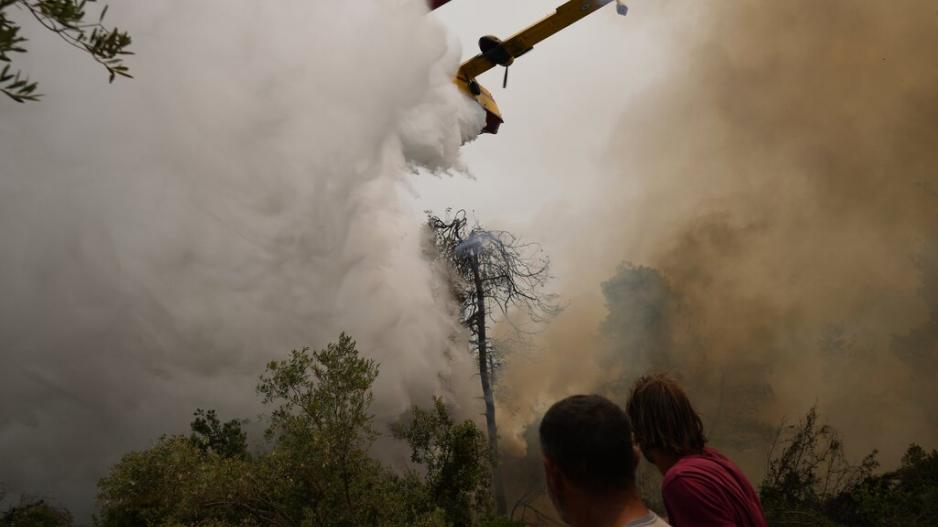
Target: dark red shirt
x,y
709,490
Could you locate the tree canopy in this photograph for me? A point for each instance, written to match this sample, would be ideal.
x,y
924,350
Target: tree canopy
x,y
72,22
810,482
315,470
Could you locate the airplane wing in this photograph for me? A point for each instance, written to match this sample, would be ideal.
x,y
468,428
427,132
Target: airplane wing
x,y
521,43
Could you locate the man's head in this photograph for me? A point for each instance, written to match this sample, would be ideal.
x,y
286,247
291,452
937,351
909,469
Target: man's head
x,y
663,419
588,452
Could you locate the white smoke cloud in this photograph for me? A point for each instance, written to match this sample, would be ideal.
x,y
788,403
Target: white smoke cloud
x,y
164,237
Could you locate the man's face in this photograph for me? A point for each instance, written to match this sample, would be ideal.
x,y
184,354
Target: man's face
x,y
556,484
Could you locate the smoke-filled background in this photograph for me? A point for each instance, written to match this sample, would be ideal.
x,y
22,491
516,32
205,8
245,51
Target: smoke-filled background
x,y
764,224
743,193
163,238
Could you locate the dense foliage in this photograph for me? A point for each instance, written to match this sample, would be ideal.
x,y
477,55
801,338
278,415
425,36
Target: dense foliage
x,y
69,20
454,456
35,513
211,435
316,470
810,483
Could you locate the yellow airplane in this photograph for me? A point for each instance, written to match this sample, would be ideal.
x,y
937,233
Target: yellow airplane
x,y
497,52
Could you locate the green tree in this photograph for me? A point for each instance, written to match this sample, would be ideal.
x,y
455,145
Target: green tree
x,y
211,435
176,483
322,428
810,482
70,20
807,472
454,456
906,496
149,487
35,513
315,471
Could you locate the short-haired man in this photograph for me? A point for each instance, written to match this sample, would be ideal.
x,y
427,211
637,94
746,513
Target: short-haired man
x,y
701,487
590,461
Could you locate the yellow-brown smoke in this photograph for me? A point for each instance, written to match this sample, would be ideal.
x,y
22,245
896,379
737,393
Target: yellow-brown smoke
x,y
779,205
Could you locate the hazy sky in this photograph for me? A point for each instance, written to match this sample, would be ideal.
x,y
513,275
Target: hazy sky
x,y
767,167
771,164
563,101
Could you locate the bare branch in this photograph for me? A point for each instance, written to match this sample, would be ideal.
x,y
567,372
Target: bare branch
x,y
493,273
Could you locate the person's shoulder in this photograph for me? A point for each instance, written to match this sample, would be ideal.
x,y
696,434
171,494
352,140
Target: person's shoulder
x,y
708,457
699,470
715,455
685,482
691,464
726,463
649,520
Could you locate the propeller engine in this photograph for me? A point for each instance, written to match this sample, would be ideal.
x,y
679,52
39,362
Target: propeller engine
x,y
494,49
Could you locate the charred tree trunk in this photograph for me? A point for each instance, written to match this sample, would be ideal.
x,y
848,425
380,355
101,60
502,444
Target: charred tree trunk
x,y
491,270
484,374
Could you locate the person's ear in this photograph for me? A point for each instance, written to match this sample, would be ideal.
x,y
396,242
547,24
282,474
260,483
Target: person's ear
x,y
555,486
552,474
549,468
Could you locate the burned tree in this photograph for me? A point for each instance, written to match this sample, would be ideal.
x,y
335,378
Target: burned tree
x,y
495,274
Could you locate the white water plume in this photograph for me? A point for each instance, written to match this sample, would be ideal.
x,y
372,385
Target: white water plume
x,y
164,237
